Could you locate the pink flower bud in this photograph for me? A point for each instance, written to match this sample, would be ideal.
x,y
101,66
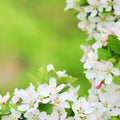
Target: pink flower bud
x,y
97,86
111,32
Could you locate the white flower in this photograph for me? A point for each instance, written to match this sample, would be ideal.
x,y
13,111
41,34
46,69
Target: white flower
x,y
117,7
109,69
95,75
114,29
94,7
57,114
29,99
61,74
71,4
115,4
72,93
115,112
4,99
106,101
102,20
112,105
60,100
98,112
54,87
35,114
50,67
82,14
101,40
87,50
43,93
15,115
87,24
102,71
91,61
82,108
114,90
16,96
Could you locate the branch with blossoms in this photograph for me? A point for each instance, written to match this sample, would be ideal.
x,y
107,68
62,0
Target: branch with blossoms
x,y
100,19
53,96
102,59
57,99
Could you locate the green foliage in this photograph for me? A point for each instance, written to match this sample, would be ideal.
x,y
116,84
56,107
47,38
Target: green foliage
x,y
46,107
69,112
75,16
117,64
113,60
114,44
83,3
115,118
111,52
104,54
107,13
116,79
5,110
43,77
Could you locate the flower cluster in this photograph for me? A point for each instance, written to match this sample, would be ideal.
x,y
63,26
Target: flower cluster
x,y
101,20
46,101
53,101
96,18
98,71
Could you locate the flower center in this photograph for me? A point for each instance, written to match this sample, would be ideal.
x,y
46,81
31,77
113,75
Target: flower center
x,y
83,118
13,118
95,7
80,111
40,97
57,101
31,104
103,19
105,104
111,3
59,114
35,117
108,71
118,90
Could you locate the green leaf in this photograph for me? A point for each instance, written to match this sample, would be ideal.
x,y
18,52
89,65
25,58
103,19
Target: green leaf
x,y
116,79
69,112
117,56
5,110
67,80
114,44
42,76
104,54
118,64
75,16
113,60
107,13
115,118
14,106
83,3
46,107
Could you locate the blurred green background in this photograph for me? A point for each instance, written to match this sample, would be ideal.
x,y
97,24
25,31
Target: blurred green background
x,y
34,33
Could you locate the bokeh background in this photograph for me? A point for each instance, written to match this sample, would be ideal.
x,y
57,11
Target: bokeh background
x,y
34,33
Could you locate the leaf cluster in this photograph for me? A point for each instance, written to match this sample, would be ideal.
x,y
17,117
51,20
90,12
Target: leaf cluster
x,y
112,51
